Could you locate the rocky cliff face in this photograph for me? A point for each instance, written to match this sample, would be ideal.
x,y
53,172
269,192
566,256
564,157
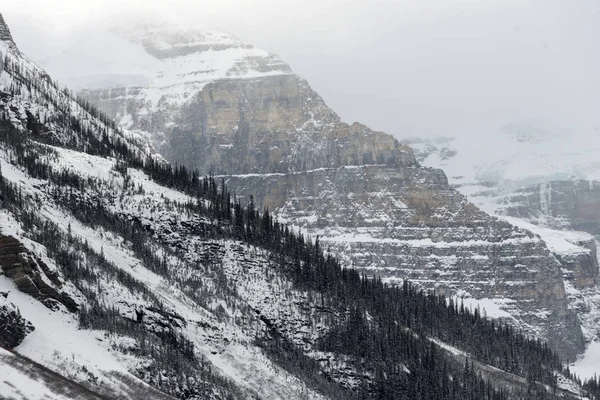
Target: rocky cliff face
x,y
570,204
274,124
568,209
360,191
31,275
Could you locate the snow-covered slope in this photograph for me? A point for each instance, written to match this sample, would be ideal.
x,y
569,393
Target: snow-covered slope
x,y
107,359
159,55
100,274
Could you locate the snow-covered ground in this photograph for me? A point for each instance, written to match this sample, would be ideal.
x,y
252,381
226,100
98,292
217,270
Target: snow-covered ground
x,y
561,242
57,340
491,308
16,383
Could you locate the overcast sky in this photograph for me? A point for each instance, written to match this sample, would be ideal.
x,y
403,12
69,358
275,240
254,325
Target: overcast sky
x,y
437,67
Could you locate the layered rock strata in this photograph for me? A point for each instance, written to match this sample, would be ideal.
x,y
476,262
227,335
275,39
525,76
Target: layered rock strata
x,y
31,275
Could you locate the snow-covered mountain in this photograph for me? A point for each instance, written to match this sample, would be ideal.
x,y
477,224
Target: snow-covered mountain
x,y
270,136
63,271
544,181
124,277
162,56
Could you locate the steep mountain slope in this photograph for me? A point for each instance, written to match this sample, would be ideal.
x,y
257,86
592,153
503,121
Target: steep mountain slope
x,y
100,276
127,276
361,192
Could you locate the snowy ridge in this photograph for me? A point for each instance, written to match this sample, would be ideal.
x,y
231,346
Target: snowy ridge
x,y
170,61
169,35
163,54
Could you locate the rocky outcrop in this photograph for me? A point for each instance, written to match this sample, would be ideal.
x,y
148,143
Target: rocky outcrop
x,y
31,275
581,268
363,193
562,204
13,327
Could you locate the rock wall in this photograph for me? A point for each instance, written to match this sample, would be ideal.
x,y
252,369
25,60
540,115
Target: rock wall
x,y
270,125
31,275
564,204
581,269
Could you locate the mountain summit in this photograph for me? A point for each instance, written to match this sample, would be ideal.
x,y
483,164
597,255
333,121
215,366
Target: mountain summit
x,y
171,40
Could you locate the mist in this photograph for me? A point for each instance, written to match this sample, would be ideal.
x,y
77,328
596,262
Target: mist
x,y
409,68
